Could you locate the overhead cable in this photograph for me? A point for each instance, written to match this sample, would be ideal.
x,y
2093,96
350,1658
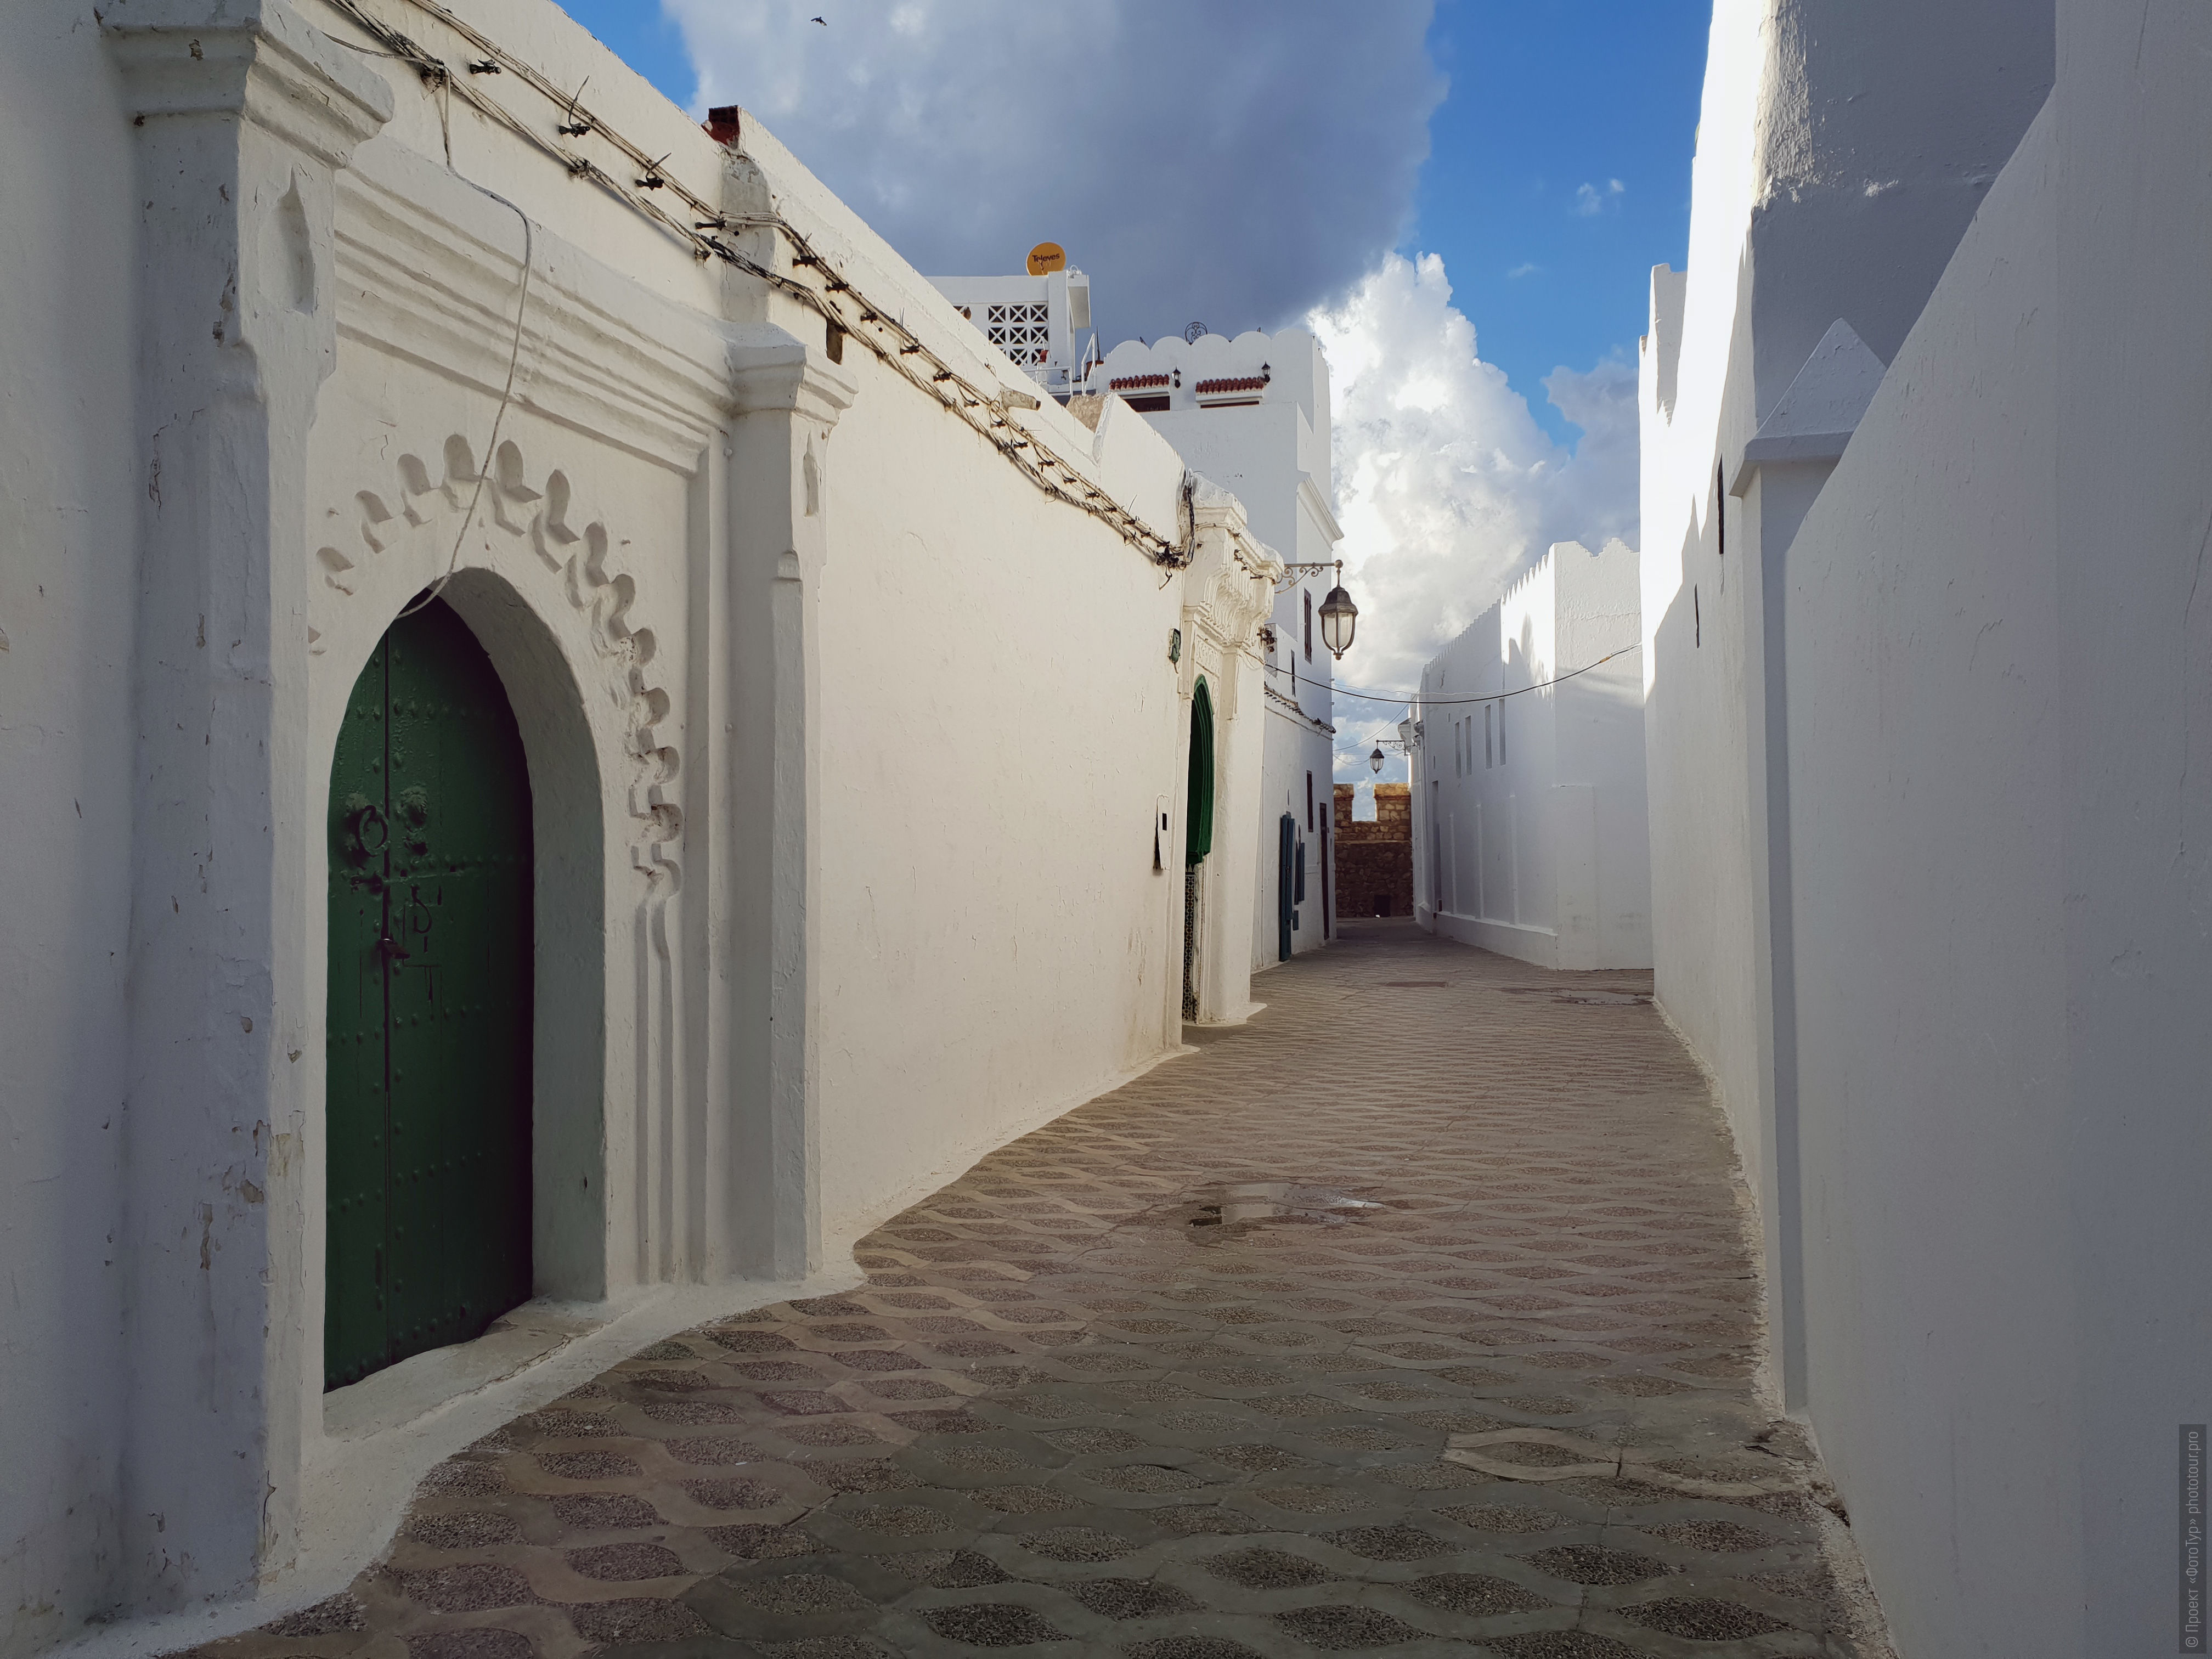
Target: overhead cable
x,y
984,411
1427,701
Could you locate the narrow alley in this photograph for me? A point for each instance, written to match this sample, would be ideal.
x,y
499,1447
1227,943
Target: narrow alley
x,y
1416,1315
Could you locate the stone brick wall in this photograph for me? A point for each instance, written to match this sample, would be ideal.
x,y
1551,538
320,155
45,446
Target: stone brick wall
x,y
1375,862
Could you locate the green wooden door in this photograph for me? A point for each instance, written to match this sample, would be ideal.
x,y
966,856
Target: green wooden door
x,y
430,1026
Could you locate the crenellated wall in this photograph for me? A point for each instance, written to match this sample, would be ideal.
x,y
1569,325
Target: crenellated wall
x,y
1374,857
1532,838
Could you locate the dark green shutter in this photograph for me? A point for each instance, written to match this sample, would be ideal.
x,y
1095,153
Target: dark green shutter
x,y
1198,818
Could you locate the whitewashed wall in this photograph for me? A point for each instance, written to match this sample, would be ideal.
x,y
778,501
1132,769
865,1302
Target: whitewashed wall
x,y
1965,646
998,946
1997,670
754,604
1929,967
69,498
1272,454
1530,836
1843,148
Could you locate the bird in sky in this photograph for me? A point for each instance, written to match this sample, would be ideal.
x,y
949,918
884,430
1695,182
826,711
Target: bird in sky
x,y
823,21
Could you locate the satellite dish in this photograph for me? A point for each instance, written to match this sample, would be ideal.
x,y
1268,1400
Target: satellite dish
x,y
1047,258
1194,333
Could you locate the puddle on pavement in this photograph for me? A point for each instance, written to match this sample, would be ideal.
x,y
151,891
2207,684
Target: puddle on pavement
x,y
1593,996
1230,1212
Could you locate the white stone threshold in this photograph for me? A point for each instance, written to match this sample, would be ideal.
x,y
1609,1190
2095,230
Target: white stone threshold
x,y
382,1435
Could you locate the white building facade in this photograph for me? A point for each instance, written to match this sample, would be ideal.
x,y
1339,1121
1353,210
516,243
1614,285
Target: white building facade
x,y
440,577
1927,671
1530,836
1042,323
1252,414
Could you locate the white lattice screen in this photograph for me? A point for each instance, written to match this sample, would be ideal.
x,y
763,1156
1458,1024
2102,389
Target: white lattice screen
x,y
1023,330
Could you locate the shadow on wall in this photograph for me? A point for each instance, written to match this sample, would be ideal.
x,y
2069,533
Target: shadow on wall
x,y
1699,932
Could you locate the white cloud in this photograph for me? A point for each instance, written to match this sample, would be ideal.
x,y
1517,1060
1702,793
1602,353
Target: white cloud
x,y
1592,199
1446,485
1527,268
1235,165
1230,164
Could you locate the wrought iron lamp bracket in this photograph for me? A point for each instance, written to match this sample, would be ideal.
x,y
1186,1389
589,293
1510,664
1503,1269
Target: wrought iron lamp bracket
x,y
1294,573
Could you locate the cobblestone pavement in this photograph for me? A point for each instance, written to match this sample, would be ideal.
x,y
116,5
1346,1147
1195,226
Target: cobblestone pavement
x,y
1415,1316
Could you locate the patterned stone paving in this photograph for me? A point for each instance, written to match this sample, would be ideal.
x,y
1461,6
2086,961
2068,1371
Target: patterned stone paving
x,y
1415,1317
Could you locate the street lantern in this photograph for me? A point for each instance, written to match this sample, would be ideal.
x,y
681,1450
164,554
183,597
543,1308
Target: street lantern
x,y
1339,618
1375,760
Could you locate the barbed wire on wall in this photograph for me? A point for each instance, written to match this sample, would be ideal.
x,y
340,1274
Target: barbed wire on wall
x,y
838,303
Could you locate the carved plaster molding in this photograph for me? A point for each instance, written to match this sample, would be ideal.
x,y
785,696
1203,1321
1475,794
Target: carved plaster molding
x,y
788,376
1230,588
601,595
428,269
257,58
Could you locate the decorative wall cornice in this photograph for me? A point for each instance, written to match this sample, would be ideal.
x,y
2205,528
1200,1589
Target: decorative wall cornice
x,y
1229,587
770,370
428,271
257,58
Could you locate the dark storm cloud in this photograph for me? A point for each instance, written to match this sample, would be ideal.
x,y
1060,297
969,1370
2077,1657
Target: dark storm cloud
x,y
1236,164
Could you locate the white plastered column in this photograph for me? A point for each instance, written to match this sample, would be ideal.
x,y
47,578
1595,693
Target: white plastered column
x,y
1784,467
787,397
243,114
1229,591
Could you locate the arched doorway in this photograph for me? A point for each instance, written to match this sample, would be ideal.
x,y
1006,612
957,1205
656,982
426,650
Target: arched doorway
x,y
1197,836
430,1022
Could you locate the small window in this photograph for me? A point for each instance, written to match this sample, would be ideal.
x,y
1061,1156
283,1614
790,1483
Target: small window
x,y
1308,594
1501,734
1310,818
1488,710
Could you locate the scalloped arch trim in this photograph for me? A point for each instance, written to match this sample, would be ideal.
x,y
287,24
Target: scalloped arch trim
x,y
580,557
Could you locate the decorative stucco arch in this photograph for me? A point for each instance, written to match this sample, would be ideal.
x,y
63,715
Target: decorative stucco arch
x,y
535,581
402,539
1229,589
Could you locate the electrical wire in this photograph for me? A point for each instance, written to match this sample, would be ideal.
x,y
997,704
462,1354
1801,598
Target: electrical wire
x,y
505,397
892,340
967,396
1494,696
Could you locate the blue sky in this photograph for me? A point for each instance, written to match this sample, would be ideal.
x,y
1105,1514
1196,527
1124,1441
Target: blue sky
x,y
1546,97
645,38
1463,197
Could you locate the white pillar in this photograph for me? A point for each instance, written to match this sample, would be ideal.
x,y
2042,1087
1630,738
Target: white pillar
x,y
1229,591
768,1213
243,114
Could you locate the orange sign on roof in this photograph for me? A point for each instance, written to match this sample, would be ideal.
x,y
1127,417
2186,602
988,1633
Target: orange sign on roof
x,y
1047,258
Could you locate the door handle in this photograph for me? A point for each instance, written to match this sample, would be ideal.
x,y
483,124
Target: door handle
x,y
393,949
